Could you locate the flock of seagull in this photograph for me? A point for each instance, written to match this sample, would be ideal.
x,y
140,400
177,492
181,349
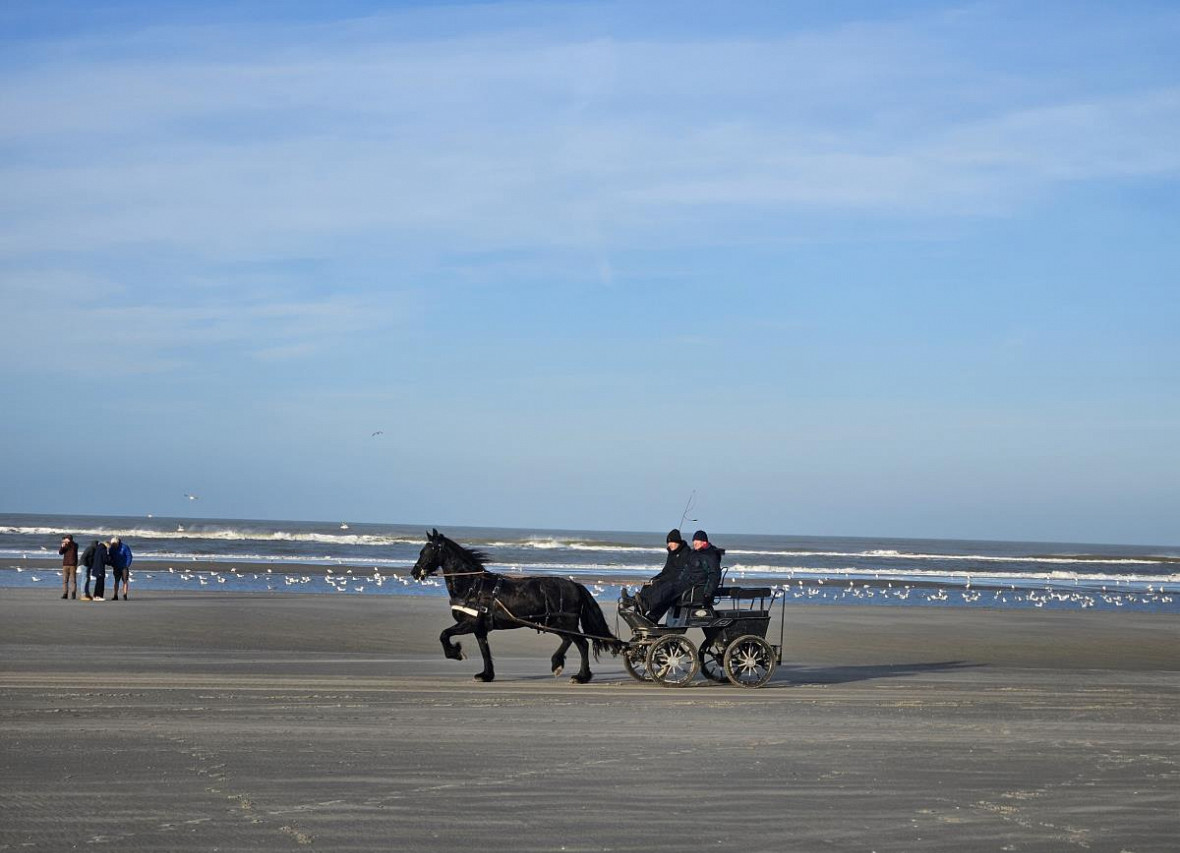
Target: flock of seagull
x,y
357,581
1009,595
347,581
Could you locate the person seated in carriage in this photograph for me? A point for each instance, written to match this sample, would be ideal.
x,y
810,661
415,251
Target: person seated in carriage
x,y
683,570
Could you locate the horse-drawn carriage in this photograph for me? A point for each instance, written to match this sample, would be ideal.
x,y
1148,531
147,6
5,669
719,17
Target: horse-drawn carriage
x,y
733,620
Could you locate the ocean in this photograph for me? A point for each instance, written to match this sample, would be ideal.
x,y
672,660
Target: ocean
x,y
236,555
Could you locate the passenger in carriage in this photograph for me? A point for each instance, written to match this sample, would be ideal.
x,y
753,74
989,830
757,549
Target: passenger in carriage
x,y
657,595
683,569
704,566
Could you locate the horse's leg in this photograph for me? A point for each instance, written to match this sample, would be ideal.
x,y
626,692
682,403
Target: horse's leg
x,y
489,672
569,622
557,662
455,650
582,675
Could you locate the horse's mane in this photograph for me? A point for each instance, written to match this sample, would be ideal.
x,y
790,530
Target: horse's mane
x,y
471,556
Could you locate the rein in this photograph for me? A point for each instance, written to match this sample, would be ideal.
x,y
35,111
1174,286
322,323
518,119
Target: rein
x,y
550,630
483,572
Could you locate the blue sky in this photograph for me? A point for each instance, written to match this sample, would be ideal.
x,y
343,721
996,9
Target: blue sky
x,y
903,269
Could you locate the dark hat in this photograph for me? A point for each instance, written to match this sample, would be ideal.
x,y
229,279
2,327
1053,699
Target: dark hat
x,y
674,536
700,536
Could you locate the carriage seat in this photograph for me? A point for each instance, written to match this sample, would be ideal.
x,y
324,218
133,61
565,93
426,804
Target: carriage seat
x,y
744,602
694,595
744,592
693,607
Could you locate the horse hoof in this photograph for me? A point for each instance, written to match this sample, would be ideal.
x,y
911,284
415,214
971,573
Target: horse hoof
x,y
480,676
557,671
579,679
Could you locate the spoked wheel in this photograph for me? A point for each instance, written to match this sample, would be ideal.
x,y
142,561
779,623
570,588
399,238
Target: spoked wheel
x,y
672,661
713,661
635,662
749,661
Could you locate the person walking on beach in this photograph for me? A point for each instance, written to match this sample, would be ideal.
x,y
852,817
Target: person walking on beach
x,y
69,567
97,568
84,562
119,556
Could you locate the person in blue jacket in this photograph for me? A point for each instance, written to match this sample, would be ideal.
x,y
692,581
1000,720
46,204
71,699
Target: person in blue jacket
x,y
119,556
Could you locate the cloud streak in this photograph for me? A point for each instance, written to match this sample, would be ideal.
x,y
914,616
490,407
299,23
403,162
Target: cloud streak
x,y
89,326
521,141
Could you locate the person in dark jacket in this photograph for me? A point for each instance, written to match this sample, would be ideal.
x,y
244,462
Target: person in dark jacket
x,y
97,568
84,562
704,564
658,594
119,556
69,567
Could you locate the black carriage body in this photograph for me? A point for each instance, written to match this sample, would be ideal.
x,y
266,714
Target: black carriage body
x,y
736,611
734,622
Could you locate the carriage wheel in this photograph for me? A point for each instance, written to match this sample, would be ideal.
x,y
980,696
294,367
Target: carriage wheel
x,y
713,661
635,662
672,661
749,661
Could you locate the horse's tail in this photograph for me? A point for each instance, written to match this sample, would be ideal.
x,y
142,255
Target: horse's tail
x,y
594,624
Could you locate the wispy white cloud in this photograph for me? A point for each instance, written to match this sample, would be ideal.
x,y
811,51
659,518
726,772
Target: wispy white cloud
x,y
507,153
518,140
86,325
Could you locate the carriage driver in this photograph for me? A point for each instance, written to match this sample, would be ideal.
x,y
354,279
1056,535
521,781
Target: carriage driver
x,y
682,570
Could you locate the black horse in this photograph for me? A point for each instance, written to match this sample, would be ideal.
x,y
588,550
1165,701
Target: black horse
x,y
483,601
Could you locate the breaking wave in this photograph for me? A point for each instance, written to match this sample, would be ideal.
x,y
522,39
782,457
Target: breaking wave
x,y
220,534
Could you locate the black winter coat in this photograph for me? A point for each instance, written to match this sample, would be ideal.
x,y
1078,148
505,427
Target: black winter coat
x,y
98,558
674,566
704,567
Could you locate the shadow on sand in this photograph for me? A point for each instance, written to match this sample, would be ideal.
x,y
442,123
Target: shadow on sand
x,y
788,676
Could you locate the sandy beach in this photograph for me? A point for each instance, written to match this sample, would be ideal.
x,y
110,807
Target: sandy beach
x,y
284,722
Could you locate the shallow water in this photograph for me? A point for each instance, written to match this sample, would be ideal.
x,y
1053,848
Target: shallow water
x,y
340,558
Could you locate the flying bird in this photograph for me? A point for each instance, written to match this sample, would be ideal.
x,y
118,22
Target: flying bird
x,y
377,433
191,497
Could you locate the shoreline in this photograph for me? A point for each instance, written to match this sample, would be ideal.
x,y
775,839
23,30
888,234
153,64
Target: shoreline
x,y
879,590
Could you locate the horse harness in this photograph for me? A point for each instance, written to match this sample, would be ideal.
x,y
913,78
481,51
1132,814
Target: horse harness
x,y
480,601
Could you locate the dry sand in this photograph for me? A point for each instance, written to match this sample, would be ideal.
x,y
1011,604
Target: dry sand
x,y
212,721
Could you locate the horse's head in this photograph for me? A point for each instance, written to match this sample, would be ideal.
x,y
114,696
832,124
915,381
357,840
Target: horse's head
x,y
430,559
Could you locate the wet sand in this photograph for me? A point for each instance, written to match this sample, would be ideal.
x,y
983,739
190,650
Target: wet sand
x,y
207,721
